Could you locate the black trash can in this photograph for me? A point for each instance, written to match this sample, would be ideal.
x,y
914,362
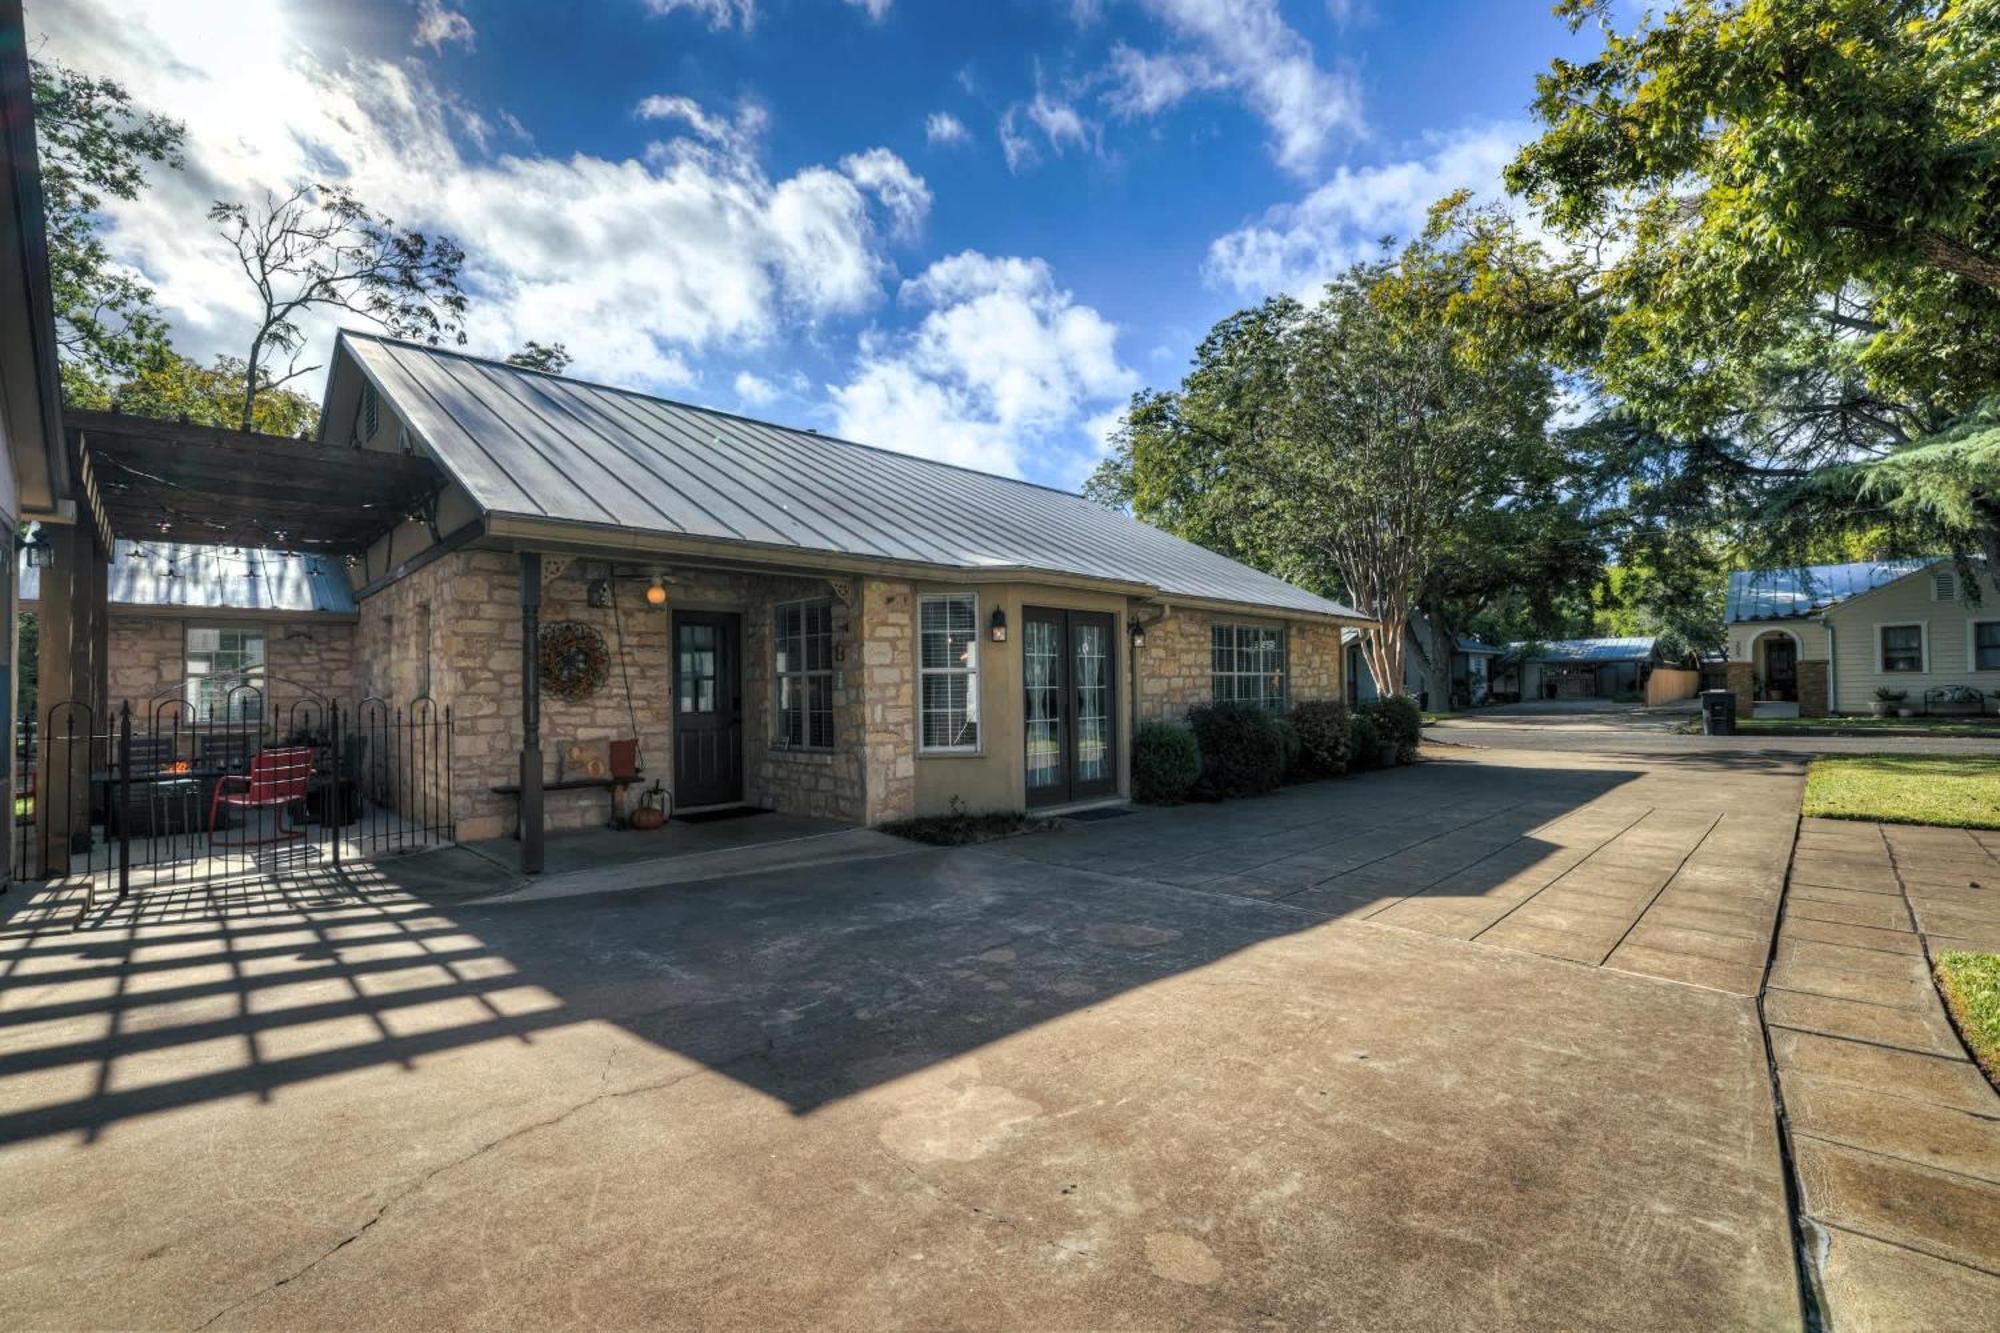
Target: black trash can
x,y
1718,712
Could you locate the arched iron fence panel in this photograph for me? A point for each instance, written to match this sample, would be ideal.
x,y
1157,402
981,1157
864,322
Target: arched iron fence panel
x,y
213,781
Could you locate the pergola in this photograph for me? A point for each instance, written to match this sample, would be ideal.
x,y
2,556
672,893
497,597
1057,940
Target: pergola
x,y
198,485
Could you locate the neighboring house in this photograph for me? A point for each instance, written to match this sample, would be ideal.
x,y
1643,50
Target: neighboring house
x,y
189,624
1440,669
790,621
1823,638
1577,668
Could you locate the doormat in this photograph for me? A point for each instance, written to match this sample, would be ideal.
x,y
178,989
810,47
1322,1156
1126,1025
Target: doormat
x,y
715,816
1109,812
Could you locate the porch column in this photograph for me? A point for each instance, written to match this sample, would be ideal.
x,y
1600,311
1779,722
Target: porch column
x,y
531,713
69,709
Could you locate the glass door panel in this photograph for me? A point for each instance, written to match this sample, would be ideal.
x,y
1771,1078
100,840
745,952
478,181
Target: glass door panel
x,y
1042,669
1070,672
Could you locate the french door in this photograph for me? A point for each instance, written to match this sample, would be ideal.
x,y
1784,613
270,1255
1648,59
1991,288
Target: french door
x,y
1070,671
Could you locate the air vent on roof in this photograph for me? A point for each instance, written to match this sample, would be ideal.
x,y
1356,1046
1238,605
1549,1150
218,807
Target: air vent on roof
x,y
1944,586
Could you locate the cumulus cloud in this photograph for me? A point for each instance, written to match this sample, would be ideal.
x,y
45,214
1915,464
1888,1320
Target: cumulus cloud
x,y
1005,366
437,25
944,130
1297,247
754,389
1060,124
639,265
1244,45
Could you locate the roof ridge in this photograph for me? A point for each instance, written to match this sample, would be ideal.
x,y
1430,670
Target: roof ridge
x,y
500,363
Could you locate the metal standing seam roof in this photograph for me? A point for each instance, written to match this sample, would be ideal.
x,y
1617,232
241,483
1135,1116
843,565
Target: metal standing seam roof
x,y
1782,594
528,444
1588,650
169,575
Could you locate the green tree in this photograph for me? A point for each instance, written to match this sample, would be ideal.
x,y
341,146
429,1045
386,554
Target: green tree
x,y
321,248
1350,445
94,144
552,357
171,387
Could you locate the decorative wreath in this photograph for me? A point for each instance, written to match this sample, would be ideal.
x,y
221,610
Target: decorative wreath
x,y
575,663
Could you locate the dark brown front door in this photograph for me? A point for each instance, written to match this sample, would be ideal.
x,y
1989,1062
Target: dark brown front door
x,y
1070,669
1781,670
708,708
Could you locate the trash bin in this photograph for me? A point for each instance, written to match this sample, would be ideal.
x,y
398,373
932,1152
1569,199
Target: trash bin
x,y
1718,712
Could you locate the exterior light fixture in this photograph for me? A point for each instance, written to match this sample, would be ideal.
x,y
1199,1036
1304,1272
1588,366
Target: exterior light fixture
x,y
997,627
37,548
656,592
1138,634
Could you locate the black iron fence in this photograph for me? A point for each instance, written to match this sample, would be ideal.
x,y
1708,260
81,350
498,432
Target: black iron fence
x,y
221,783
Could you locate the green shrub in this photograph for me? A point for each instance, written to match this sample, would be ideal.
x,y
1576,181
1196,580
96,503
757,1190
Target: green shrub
x,y
1398,719
1166,763
1293,748
1364,741
1242,751
1324,743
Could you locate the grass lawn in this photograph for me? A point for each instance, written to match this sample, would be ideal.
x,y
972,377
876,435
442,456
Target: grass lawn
x,y
1961,791
1859,726
1970,984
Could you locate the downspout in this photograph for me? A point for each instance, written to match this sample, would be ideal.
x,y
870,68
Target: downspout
x,y
1832,669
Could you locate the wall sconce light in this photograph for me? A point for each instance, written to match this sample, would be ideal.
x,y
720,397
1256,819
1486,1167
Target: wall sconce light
x,y
656,592
598,593
37,548
1138,634
997,627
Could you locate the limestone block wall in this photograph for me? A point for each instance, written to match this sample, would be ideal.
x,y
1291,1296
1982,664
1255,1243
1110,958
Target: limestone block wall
x,y
1175,666
147,657
889,698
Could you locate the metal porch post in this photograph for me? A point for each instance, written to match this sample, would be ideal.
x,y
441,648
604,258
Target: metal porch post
x,y
531,713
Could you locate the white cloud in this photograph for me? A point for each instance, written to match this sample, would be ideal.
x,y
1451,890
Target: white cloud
x,y
1004,366
754,389
1298,247
1060,123
639,266
740,132
1247,45
876,8
719,13
437,25
1145,85
942,129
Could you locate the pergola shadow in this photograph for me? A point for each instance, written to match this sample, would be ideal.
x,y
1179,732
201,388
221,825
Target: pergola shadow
x,y
807,987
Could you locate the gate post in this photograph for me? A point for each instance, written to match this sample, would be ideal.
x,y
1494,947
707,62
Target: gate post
x,y
336,793
124,799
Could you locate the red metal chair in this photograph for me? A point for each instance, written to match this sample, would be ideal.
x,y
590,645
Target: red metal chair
x,y
276,778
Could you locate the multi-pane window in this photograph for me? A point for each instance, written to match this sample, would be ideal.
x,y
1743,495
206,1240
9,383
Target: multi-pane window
x,y
802,667
1247,665
1902,647
1986,645
948,672
225,673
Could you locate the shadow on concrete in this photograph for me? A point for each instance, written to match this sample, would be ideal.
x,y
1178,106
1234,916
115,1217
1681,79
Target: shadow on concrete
x,y
807,986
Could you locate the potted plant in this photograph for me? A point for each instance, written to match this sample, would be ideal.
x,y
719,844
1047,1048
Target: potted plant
x,y
1886,700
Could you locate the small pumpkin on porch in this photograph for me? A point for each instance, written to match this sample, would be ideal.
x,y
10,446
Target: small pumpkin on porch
x,y
574,661
652,811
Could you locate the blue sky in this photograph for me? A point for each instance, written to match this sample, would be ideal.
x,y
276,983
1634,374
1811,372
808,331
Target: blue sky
x,y
967,230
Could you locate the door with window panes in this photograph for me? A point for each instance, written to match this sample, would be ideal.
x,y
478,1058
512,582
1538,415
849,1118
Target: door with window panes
x,y
1069,672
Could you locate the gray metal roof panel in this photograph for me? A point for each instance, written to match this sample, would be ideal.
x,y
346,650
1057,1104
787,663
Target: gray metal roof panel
x,y
1780,594
526,443
170,575
1631,649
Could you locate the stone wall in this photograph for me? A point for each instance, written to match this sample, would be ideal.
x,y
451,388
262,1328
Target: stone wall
x,y
1741,680
147,658
1174,665
1812,689
888,632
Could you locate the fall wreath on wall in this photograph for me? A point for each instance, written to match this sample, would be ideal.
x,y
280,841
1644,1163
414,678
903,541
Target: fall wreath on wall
x,y
574,662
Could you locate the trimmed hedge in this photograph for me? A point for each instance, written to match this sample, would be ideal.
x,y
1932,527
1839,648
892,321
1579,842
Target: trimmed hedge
x,y
1365,742
1398,719
1324,741
1294,749
1242,750
1166,763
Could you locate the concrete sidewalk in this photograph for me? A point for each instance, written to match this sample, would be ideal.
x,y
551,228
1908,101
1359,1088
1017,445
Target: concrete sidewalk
x,y
1894,1132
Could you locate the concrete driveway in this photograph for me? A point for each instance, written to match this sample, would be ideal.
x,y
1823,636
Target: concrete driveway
x,y
1469,1043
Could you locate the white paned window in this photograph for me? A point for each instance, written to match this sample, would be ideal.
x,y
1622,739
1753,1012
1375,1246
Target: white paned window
x,y
948,672
802,667
225,673
1247,665
1902,647
1986,645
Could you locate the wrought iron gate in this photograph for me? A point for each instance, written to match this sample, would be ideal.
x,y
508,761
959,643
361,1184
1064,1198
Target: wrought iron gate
x,y
216,782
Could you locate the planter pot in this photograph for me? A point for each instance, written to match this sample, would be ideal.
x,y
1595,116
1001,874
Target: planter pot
x,y
1906,712
1388,753
1881,708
